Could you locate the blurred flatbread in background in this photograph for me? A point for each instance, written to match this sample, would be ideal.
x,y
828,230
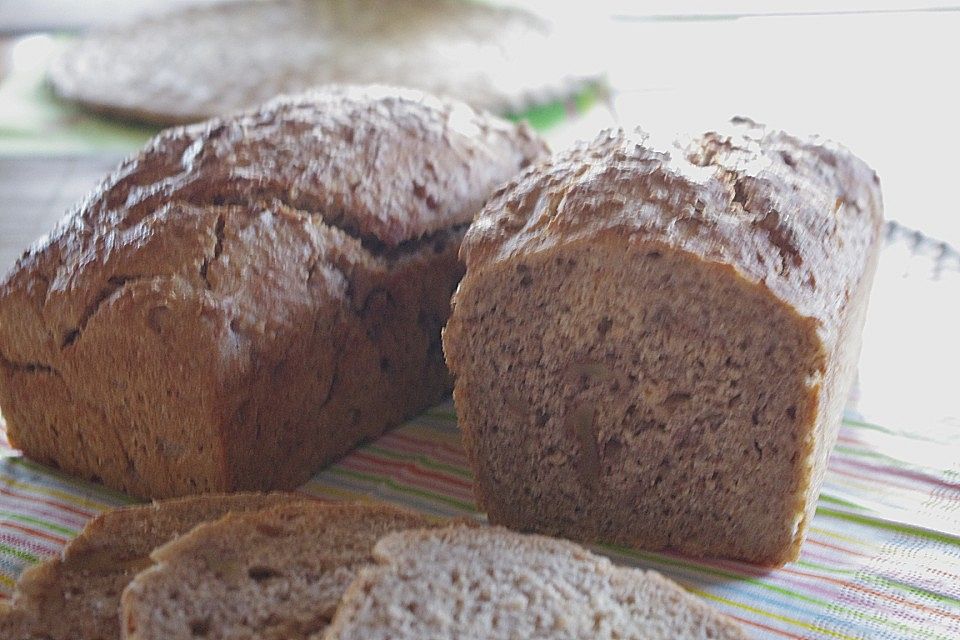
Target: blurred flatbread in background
x,y
207,61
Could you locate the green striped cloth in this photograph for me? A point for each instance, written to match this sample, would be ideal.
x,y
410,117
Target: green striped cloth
x,y
882,559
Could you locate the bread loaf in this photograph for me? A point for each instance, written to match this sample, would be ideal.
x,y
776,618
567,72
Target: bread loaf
x,y
248,298
273,574
654,341
495,584
76,596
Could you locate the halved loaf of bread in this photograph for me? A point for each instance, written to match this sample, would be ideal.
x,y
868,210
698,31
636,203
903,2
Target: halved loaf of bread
x,y
276,574
492,583
77,596
654,341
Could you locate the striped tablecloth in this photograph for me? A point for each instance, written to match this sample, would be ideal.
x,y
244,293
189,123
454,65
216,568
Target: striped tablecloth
x,y
882,559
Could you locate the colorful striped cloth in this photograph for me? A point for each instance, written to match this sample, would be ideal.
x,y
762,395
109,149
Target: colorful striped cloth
x,y
882,559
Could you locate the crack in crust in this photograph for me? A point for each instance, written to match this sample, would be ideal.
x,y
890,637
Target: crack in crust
x,y
28,367
115,284
217,250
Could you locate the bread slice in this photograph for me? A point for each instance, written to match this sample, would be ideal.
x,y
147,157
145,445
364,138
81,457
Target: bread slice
x,y
275,574
654,340
492,583
76,596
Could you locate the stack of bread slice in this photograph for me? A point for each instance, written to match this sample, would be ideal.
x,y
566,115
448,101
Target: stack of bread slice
x,y
284,566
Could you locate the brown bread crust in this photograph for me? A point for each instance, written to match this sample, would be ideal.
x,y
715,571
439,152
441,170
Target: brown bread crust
x,y
248,298
789,226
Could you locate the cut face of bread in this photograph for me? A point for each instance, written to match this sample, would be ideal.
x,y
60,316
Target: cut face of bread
x,y
671,414
275,574
77,596
652,345
495,584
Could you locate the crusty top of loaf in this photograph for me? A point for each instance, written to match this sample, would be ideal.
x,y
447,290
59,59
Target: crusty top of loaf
x,y
316,183
386,164
782,211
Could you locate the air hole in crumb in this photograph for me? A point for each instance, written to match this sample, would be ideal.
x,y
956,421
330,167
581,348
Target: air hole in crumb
x,y
674,400
604,326
199,628
755,417
525,278
792,412
384,364
261,573
654,254
612,446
